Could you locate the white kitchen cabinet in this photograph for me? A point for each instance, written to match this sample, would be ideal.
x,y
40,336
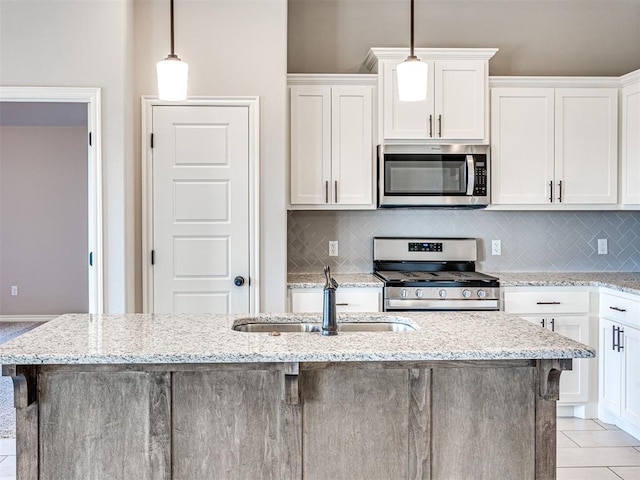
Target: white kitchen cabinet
x,y
630,139
619,397
456,107
554,146
310,300
332,150
566,311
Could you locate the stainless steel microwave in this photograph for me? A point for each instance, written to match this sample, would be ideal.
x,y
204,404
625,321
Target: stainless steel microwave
x,y
433,175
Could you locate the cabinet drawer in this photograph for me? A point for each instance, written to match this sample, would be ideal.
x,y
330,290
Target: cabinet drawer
x,y
620,309
552,301
347,300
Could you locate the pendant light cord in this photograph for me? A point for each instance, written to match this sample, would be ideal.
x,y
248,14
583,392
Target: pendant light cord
x,y
172,46
412,19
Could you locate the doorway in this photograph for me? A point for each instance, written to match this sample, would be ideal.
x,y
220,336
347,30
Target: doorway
x,y
200,210
51,202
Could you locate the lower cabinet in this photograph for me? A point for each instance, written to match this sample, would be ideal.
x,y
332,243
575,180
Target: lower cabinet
x,y
566,311
310,300
619,397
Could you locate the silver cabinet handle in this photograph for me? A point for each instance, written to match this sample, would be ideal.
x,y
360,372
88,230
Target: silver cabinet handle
x,y
551,191
560,191
430,126
326,191
335,192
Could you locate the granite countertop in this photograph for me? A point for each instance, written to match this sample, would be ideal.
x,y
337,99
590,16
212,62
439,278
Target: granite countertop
x,y
350,280
185,338
628,282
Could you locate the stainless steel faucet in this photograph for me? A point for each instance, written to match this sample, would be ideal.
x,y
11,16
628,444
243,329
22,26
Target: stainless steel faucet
x,y
329,316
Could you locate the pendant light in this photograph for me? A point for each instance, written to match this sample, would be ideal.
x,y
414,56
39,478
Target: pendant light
x,y
172,74
412,75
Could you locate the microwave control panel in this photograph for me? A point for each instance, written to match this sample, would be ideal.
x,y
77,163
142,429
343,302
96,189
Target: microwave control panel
x,y
480,185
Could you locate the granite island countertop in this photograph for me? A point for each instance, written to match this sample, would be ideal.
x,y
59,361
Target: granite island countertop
x,y
187,338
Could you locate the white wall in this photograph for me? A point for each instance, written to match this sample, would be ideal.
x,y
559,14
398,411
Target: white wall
x,y
81,43
233,48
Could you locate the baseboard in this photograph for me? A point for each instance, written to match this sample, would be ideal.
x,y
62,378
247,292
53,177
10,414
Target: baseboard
x,y
27,318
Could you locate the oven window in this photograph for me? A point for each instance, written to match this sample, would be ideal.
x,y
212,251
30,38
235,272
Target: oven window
x,y
425,175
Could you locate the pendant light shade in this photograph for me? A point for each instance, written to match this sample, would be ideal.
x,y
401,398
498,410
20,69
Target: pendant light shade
x,y
172,74
412,74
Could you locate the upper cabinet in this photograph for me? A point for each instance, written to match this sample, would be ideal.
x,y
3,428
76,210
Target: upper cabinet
x,y
554,146
630,139
332,148
456,108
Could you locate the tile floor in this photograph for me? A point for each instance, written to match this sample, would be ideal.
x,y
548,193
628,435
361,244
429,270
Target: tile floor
x,y
587,450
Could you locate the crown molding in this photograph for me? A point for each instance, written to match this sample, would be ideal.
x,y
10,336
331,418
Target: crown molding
x,y
555,82
375,54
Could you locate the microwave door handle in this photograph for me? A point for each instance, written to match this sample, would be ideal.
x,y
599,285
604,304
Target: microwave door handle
x,y
471,177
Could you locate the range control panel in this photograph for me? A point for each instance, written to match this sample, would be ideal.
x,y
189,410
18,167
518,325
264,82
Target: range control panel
x,y
425,247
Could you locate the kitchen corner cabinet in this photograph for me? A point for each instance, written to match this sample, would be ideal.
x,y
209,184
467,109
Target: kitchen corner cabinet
x,y
554,146
630,139
456,107
619,392
565,311
310,300
331,146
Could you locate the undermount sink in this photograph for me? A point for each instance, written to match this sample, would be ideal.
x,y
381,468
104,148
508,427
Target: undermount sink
x,y
281,327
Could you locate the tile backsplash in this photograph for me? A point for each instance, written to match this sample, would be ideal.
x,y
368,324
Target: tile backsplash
x,y
531,241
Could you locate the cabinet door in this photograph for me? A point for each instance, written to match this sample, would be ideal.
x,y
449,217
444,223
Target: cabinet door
x,y
352,145
522,145
459,99
586,145
310,144
631,144
573,383
610,368
630,405
405,120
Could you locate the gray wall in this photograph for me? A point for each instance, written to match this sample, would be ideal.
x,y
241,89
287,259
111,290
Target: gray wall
x,y
43,220
535,37
531,241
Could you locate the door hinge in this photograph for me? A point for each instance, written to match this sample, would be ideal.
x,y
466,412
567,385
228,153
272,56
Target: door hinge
x,y
153,257
152,140
90,142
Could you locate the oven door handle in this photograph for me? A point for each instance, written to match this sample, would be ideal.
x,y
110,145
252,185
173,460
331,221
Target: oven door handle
x,y
471,175
449,304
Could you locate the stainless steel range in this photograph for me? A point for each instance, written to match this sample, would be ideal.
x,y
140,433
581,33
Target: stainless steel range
x,y
433,274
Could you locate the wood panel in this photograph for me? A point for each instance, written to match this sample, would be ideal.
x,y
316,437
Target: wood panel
x,y
226,424
419,424
103,425
483,423
354,424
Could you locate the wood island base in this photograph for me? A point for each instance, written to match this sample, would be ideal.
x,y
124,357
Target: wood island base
x,y
489,419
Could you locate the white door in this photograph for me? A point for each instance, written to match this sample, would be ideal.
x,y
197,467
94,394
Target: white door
x,y
200,209
522,145
610,368
586,156
460,91
630,405
573,383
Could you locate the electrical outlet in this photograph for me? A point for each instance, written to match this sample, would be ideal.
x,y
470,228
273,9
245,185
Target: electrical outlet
x,y
603,248
496,247
333,248
14,290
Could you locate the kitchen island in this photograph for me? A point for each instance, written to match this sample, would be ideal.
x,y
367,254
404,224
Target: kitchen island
x,y
462,395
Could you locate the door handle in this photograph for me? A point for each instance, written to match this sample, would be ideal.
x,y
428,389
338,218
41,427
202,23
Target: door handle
x,y
560,191
440,126
430,126
238,281
551,191
335,191
547,303
326,191
618,309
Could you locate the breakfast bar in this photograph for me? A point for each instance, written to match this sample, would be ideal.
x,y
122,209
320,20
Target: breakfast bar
x,y
440,395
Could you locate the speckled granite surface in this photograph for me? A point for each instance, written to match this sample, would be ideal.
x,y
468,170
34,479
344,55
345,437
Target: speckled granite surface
x,y
628,282
140,338
350,280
